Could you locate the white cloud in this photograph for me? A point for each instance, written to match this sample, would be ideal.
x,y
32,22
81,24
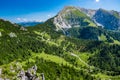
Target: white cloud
x,y
97,0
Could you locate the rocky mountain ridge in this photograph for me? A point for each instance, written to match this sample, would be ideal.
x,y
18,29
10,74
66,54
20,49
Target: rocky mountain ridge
x,y
93,55
75,17
109,19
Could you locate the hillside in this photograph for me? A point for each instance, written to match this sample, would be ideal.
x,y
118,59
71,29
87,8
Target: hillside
x,y
88,52
109,19
36,46
72,17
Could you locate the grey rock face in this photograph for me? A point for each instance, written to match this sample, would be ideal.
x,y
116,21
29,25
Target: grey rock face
x,y
24,29
89,12
43,77
12,35
0,71
30,74
71,17
0,34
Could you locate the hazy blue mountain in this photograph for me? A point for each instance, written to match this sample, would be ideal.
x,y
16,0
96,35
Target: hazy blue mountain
x,y
109,19
26,24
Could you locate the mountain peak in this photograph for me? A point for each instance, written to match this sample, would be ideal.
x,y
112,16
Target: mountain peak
x,y
109,19
67,9
72,17
102,10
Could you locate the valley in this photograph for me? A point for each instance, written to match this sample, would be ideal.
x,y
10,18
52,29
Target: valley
x,y
69,46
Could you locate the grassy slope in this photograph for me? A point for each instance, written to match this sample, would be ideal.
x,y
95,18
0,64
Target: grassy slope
x,y
42,37
31,41
78,15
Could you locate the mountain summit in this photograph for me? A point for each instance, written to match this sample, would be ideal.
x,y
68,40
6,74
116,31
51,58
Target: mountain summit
x,y
71,17
109,19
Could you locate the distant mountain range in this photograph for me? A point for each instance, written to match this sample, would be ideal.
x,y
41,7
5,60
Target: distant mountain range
x,y
26,24
75,21
78,17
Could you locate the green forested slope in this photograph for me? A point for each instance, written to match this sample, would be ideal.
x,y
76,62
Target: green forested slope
x,y
57,56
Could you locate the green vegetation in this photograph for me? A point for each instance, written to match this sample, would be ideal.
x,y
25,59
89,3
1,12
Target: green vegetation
x,y
90,23
76,18
40,47
57,56
102,37
116,14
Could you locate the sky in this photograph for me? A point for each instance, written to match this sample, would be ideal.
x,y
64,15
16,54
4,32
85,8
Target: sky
x,y
41,10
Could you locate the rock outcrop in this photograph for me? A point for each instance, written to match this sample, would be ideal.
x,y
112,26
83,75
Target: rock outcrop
x,y
30,74
12,35
71,17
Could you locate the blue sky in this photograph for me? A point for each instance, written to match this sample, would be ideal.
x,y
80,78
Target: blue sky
x,y
41,10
